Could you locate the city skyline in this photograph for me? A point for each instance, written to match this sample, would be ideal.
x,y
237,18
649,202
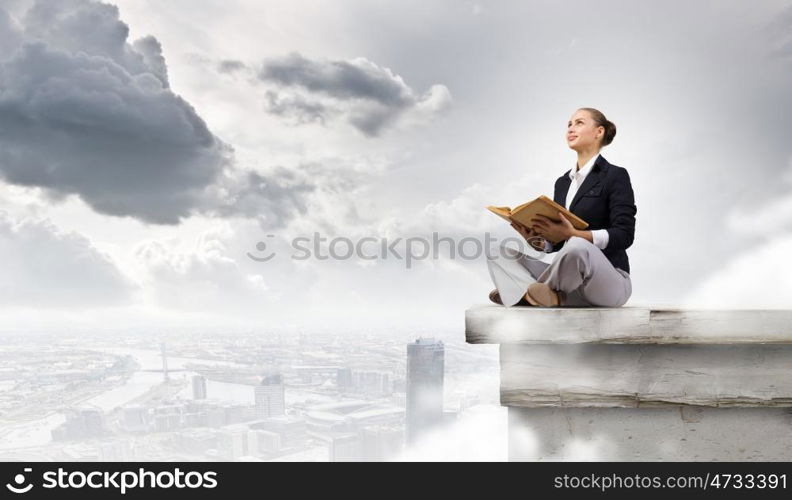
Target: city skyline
x,y
352,406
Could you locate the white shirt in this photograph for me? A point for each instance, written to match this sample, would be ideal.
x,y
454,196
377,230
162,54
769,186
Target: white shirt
x,y
577,176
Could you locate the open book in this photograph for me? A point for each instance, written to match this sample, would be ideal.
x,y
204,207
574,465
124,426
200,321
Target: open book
x,y
540,206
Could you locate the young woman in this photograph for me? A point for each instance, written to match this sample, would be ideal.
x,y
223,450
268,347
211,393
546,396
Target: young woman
x,y
591,267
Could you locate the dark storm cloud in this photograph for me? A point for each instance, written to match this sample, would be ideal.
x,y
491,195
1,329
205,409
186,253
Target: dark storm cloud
x,y
283,193
84,112
230,66
297,108
78,124
344,80
75,26
151,50
272,199
369,96
779,33
9,35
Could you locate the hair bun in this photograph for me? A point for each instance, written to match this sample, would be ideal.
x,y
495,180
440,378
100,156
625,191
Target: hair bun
x,y
601,121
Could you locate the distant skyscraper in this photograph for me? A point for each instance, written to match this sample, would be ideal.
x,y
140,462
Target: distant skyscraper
x,y
164,362
344,379
425,365
199,387
270,397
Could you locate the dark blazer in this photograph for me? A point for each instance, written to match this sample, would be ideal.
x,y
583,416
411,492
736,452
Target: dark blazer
x,y
605,200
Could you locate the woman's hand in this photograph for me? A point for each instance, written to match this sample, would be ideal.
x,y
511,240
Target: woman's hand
x,y
530,236
552,230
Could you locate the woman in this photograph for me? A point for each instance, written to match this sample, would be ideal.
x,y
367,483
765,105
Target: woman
x,y
591,268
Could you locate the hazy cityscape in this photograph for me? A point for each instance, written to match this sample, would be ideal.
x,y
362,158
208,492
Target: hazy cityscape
x,y
140,396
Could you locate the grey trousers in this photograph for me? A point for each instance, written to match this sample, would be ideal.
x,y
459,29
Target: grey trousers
x,y
580,272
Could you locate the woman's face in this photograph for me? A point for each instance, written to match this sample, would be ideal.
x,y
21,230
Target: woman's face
x,y
583,132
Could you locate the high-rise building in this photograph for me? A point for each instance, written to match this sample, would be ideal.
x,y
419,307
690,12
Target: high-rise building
x,y
196,441
345,448
381,442
270,397
263,442
164,362
232,442
425,366
168,417
344,379
134,418
372,382
199,387
291,429
81,423
238,413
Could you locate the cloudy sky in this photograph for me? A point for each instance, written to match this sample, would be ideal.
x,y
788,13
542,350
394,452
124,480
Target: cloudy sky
x,y
148,149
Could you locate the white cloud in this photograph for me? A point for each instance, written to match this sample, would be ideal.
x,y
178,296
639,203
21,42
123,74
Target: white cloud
x,y
756,278
480,434
205,278
47,267
767,219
